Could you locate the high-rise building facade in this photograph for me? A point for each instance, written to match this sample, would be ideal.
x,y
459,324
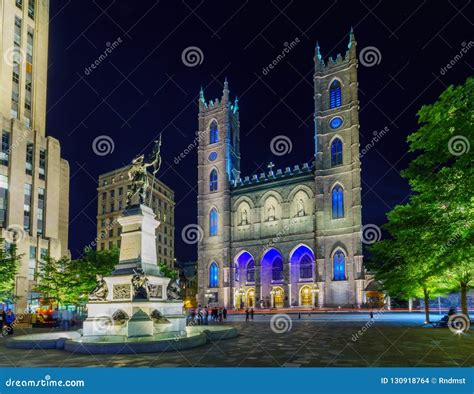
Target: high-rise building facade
x,y
111,201
34,179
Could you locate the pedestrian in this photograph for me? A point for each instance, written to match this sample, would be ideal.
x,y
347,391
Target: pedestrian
x,y
219,313
371,314
247,313
206,316
251,313
65,319
10,321
55,317
224,313
2,320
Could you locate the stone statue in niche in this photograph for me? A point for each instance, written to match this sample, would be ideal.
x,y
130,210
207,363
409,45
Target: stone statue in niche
x,y
120,317
100,291
140,285
173,291
271,213
244,220
300,208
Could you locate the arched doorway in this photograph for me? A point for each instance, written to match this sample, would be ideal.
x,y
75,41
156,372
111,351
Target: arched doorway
x,y
251,298
278,297
306,296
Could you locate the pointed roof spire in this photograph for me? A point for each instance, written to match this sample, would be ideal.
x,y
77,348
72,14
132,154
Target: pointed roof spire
x,y
225,91
236,104
201,94
318,52
352,40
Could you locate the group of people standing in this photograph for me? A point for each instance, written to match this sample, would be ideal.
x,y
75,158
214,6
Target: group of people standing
x,y
7,322
202,315
249,314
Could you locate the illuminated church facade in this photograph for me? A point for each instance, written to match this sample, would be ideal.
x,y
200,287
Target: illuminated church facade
x,y
287,237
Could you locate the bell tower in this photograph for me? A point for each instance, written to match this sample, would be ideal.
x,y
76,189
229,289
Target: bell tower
x,y
218,166
337,175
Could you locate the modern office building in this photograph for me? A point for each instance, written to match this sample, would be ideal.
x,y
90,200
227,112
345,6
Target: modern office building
x,y
34,179
112,199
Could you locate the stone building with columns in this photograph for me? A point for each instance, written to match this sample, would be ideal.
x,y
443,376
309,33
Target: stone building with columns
x,y
286,237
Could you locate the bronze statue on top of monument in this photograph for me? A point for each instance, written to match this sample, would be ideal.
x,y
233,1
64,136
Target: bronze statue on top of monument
x,y
138,175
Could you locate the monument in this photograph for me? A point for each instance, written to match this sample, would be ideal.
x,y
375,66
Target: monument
x,y
136,300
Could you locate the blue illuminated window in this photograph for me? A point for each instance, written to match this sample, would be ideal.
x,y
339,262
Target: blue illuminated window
x,y
337,202
213,219
335,99
339,263
251,271
213,133
336,152
213,275
335,123
212,156
213,180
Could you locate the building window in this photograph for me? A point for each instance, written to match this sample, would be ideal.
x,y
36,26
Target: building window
x,y
120,191
19,4
3,200
335,100
213,275
213,180
277,269
31,9
336,152
29,158
40,212
337,202
27,207
5,152
213,133
306,267
17,60
213,222
42,164
339,266
29,78
32,263
251,271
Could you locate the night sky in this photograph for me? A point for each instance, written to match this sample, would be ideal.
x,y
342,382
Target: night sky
x,y
143,87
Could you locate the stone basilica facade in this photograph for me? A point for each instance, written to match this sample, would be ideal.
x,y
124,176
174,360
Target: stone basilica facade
x,y
288,237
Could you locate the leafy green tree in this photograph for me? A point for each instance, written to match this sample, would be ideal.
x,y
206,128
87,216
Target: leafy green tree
x,y
168,272
9,265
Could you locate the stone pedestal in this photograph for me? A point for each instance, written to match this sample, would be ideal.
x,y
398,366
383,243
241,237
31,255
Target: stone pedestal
x,y
134,301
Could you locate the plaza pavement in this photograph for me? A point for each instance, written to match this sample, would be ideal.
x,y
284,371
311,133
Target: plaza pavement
x,y
322,340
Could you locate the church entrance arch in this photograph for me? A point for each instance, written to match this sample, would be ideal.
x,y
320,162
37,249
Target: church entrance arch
x,y
251,298
278,297
306,297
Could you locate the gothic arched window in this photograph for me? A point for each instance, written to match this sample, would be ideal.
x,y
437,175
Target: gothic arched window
x,y
213,133
335,99
336,152
213,180
337,202
213,275
213,220
277,269
306,267
251,271
339,264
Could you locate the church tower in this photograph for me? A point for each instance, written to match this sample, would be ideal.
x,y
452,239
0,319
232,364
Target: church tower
x,y
340,271
218,167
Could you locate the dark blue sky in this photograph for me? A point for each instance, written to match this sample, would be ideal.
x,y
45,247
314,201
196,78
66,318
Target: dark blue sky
x,y
143,87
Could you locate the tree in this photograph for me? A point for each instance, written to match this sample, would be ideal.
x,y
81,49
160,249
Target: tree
x,y
9,265
69,282
168,272
433,233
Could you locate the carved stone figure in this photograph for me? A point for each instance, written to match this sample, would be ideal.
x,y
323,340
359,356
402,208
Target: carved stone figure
x,y
244,217
271,213
120,317
300,211
138,175
140,286
100,291
173,291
